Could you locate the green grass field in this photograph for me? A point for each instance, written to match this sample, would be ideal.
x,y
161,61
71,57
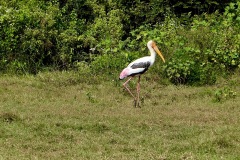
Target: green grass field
x,y
64,116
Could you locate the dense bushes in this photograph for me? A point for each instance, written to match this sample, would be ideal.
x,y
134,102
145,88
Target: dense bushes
x,y
209,48
35,34
199,43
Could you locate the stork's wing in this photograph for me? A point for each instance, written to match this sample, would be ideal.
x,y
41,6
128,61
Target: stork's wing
x,y
139,66
143,62
144,65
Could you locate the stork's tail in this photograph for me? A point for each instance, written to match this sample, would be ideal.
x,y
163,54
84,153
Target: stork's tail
x,y
124,74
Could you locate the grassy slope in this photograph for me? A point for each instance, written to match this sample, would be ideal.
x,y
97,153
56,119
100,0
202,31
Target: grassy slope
x,y
54,116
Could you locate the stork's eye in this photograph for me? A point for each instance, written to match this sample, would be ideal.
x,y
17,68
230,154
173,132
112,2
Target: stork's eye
x,y
153,44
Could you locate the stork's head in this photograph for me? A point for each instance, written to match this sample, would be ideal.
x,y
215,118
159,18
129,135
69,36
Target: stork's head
x,y
153,45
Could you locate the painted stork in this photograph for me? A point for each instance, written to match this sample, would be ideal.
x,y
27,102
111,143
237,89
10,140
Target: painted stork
x,y
138,67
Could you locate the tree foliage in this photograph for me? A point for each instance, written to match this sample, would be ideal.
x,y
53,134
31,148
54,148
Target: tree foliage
x,y
199,39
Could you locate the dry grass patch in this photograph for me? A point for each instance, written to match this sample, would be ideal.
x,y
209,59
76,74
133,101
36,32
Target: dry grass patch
x,y
58,118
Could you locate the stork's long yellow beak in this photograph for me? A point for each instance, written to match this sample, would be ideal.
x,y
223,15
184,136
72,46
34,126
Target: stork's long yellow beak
x,y
159,53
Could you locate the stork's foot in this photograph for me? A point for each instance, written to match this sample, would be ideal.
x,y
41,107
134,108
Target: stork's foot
x,y
136,104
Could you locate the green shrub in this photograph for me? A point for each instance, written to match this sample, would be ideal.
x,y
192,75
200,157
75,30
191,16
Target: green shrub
x,y
178,71
204,51
224,94
112,64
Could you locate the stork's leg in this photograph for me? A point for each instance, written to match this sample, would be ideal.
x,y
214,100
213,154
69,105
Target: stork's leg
x,y
125,86
138,91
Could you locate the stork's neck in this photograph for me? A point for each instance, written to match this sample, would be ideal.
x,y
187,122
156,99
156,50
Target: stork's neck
x,y
153,53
